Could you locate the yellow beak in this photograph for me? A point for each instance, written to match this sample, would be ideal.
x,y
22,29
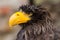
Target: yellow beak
x,y
18,18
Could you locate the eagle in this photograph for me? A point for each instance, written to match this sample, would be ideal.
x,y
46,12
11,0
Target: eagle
x,y
36,23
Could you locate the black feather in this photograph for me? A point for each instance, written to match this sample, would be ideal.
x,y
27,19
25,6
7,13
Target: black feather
x,y
40,27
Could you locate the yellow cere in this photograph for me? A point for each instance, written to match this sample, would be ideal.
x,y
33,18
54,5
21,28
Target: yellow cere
x,y
18,18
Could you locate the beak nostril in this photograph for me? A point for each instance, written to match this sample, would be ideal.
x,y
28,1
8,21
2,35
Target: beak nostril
x,y
17,14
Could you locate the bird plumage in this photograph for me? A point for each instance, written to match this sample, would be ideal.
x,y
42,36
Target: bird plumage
x,y
40,27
